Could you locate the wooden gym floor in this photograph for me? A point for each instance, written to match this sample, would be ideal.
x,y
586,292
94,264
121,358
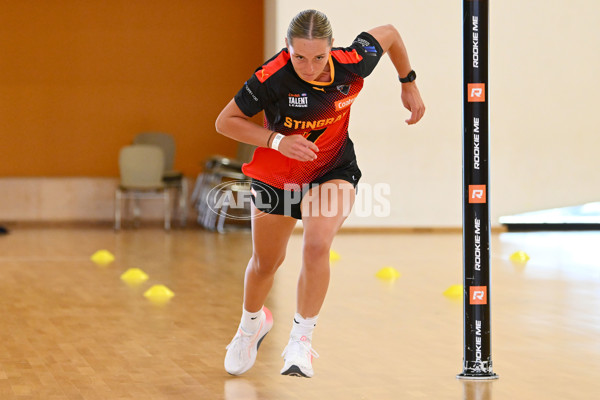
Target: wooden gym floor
x,y
72,329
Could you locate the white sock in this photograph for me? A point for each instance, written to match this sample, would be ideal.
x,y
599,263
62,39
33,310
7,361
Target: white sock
x,y
304,326
250,321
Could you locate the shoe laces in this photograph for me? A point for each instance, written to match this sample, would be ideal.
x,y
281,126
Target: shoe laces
x,y
299,346
243,339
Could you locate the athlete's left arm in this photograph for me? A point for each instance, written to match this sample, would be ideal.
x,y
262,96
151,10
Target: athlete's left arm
x,y
391,42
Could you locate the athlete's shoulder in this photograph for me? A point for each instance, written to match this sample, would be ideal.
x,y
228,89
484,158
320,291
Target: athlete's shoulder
x,y
272,66
346,55
364,45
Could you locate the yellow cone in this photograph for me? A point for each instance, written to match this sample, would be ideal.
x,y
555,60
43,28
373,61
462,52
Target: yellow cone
x,y
388,274
519,257
134,276
334,256
102,257
159,294
454,292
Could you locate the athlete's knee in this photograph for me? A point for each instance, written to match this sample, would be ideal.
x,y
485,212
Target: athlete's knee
x,y
266,264
316,247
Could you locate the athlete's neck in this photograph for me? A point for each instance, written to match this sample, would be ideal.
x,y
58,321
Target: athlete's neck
x,y
325,75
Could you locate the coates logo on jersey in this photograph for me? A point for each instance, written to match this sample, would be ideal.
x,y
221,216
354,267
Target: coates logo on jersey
x,y
298,100
477,194
478,295
343,103
476,92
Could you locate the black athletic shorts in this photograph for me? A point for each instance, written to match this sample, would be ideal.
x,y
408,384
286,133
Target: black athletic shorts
x,y
277,201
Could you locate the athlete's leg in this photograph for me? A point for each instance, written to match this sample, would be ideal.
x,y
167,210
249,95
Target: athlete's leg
x,y
270,236
324,209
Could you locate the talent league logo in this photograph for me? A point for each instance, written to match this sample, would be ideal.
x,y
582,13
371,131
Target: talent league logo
x,y
478,295
477,194
298,100
476,92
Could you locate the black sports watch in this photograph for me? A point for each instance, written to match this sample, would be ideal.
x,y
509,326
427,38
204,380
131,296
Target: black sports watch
x,y
412,75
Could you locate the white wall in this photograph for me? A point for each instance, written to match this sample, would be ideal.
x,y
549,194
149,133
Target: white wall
x,y
543,81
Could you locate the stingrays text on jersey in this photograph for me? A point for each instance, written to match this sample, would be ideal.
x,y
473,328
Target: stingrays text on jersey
x,y
295,124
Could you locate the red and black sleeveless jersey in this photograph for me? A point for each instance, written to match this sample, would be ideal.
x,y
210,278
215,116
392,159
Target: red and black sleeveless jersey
x,y
318,110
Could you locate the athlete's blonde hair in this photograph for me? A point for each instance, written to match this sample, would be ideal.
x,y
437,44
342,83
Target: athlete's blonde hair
x,y
310,24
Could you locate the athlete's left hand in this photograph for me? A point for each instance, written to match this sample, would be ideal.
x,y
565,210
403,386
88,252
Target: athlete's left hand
x,y
411,99
298,147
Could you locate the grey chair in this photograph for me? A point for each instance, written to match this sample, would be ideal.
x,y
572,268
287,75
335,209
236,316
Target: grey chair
x,y
141,169
172,179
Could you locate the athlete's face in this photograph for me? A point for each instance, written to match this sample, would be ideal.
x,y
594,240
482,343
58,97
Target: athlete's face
x,y
309,57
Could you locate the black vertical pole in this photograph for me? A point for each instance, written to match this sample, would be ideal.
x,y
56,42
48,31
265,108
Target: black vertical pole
x,y
477,361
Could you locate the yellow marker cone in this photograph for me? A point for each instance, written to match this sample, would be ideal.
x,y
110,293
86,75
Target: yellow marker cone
x,y
519,257
159,294
102,257
388,274
454,292
134,276
334,256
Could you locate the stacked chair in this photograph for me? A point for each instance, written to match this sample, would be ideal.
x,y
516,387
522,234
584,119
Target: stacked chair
x,y
221,185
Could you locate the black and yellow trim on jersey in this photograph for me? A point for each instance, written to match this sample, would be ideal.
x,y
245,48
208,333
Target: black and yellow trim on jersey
x,y
332,70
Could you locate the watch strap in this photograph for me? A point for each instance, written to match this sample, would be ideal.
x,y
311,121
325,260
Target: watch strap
x,y
412,75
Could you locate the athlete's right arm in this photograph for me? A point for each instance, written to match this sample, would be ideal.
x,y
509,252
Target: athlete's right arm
x,y
233,123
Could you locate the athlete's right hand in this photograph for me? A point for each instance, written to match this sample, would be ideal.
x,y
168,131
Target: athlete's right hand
x,y
298,148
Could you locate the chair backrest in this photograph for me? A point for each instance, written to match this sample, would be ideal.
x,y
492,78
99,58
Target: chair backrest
x,y
163,140
141,166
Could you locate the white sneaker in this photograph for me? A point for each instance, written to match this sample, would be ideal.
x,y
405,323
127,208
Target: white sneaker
x,y
241,352
298,356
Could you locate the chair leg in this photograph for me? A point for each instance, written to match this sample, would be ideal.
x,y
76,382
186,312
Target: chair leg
x,y
117,209
222,218
175,193
198,197
197,189
211,202
212,213
183,202
167,197
205,185
137,212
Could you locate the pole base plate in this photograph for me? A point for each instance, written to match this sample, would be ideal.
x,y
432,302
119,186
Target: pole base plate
x,y
473,377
